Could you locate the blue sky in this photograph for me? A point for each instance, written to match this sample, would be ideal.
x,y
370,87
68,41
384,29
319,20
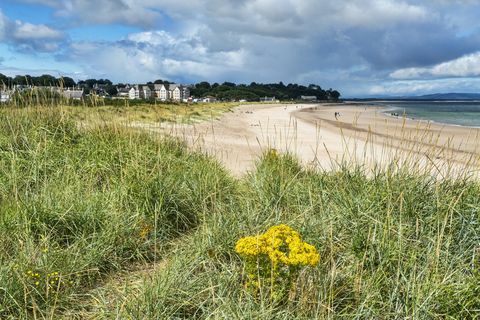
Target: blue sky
x,y
360,47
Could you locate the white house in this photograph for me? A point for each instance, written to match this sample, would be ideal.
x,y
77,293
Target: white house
x,y
209,99
140,92
268,99
161,92
4,96
123,92
175,92
308,98
73,94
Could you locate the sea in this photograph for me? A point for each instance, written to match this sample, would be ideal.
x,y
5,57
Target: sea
x,y
461,113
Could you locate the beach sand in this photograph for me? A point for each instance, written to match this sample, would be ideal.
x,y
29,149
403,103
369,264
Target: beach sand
x,y
360,134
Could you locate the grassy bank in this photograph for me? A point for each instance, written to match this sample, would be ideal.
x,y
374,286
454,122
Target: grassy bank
x,y
150,113
79,209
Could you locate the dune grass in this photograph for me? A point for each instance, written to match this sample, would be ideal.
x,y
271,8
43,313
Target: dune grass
x,y
150,113
79,207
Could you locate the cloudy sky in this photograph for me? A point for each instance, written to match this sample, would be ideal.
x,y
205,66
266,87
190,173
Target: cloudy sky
x,y
360,47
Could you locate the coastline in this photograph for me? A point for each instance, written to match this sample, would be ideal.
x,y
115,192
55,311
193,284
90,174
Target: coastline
x,y
388,108
362,135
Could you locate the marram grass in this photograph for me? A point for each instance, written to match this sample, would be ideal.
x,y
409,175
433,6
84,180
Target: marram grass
x,y
79,208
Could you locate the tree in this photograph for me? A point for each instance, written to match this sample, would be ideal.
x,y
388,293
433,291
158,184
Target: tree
x,y
66,82
111,90
46,80
229,84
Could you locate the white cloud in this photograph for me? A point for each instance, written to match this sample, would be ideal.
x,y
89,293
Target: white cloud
x,y
465,66
28,31
153,55
29,37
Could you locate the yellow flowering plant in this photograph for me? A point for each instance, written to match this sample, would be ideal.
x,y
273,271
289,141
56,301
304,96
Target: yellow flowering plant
x,y
274,259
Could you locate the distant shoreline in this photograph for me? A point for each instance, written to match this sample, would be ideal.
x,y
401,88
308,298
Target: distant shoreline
x,y
361,134
389,108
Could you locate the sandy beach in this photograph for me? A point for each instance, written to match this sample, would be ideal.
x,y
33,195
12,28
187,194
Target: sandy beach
x,y
363,134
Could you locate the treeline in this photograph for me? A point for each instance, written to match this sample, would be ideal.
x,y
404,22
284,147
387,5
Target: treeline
x,y
225,91
255,91
43,80
46,80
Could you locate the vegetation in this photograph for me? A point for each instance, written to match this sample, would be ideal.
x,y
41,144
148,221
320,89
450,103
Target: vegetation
x,y
105,222
227,91
255,91
97,110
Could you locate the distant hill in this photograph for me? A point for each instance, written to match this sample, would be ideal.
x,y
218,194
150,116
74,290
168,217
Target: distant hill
x,y
447,96
427,97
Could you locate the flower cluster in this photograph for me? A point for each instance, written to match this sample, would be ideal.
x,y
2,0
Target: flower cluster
x,y
272,154
144,231
282,245
47,282
277,256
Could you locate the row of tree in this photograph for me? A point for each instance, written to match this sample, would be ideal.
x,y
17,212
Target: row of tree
x,y
226,91
255,91
43,80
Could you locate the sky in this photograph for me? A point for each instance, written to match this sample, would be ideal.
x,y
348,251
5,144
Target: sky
x,y
362,48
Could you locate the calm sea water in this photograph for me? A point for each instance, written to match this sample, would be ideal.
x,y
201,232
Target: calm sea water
x,y
457,112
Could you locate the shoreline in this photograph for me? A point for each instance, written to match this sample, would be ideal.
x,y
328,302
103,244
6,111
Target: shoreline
x,y
392,108
363,134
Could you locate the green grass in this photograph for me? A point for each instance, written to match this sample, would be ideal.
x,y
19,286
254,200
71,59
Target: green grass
x,y
138,227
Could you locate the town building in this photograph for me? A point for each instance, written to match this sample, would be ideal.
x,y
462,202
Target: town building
x,y
209,99
161,92
268,99
308,98
4,96
173,91
73,94
139,92
123,92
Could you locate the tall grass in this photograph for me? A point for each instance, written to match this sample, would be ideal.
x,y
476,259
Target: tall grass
x,y
392,246
90,203
85,204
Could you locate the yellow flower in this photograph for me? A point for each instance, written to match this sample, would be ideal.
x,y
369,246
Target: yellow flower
x,y
279,251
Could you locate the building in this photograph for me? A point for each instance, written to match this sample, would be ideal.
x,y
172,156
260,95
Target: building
x,y
174,92
268,99
209,99
123,92
139,92
4,96
161,92
308,98
73,94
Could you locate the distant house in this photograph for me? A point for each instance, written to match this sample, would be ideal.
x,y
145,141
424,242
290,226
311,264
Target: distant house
x,y
139,92
179,92
308,98
209,99
4,96
268,99
174,92
161,92
123,92
72,94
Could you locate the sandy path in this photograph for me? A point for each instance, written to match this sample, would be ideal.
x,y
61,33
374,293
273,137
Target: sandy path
x,y
313,134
